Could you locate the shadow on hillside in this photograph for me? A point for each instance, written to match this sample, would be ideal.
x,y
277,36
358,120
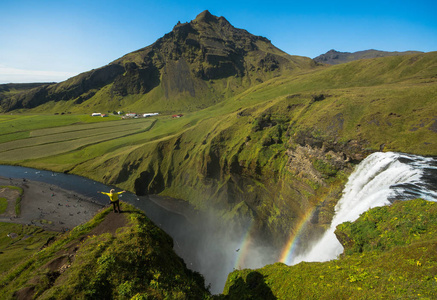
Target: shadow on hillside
x,y
253,288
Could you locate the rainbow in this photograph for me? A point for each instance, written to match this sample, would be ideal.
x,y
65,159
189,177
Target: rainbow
x,y
244,247
286,253
290,246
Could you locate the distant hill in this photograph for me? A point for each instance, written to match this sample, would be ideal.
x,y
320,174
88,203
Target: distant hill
x,y
194,66
333,57
7,87
8,90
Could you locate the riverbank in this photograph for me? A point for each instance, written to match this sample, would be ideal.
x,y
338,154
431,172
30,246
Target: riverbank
x,y
46,205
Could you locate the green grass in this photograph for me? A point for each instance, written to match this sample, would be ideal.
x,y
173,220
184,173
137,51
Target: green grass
x,y
396,259
28,241
11,123
3,205
18,200
137,260
57,140
388,227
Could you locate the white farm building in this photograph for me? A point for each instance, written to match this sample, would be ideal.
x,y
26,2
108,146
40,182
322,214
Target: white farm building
x,y
150,115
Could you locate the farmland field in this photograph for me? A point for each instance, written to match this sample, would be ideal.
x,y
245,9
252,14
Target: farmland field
x,y
25,143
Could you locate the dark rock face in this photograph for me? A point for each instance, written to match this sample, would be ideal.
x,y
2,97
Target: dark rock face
x,y
135,80
181,62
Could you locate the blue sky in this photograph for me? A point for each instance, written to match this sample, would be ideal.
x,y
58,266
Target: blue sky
x,y
49,40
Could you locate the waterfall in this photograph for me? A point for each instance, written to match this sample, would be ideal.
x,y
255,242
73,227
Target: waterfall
x,y
378,180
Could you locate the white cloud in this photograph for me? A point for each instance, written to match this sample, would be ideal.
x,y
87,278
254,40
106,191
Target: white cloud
x,y
14,75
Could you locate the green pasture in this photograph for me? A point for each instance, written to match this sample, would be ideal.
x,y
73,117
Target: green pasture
x,y
18,126
70,133
51,141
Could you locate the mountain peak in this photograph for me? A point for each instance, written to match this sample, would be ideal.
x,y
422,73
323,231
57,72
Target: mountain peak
x,y
205,16
183,64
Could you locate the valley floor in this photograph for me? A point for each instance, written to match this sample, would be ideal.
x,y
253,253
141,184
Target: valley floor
x,y
45,205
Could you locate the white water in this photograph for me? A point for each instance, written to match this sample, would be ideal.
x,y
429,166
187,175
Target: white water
x,y
377,180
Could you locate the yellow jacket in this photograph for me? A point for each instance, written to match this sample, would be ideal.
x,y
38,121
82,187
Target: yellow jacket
x,y
113,196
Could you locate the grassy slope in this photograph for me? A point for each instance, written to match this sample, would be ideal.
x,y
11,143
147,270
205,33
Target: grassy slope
x,y
233,155
391,254
366,110
90,262
29,240
397,85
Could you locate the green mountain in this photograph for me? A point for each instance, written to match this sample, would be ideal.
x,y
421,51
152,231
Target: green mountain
x,y
390,253
265,138
333,57
267,155
194,66
281,148
113,256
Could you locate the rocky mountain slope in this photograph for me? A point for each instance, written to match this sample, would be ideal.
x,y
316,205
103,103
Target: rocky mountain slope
x,y
194,66
333,57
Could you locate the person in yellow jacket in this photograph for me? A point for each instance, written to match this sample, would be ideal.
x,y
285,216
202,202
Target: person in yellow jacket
x,y
113,196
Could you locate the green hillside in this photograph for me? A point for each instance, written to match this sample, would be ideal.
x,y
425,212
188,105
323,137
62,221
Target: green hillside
x,y
390,253
114,256
268,154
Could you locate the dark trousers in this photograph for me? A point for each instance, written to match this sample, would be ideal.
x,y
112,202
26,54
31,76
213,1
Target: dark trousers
x,y
116,203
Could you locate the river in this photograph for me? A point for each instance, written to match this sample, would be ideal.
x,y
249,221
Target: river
x,y
199,241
